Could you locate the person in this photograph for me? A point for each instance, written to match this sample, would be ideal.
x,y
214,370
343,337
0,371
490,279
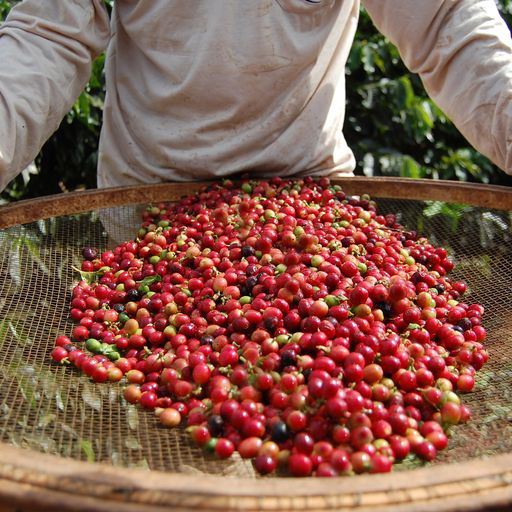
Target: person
x,y
205,89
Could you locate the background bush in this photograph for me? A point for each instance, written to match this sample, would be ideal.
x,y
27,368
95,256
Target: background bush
x,y
392,126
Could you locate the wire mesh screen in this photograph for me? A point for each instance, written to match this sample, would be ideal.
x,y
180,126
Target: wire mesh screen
x,y
57,410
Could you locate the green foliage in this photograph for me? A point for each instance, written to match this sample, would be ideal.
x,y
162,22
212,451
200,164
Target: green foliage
x,y
69,158
392,126
5,7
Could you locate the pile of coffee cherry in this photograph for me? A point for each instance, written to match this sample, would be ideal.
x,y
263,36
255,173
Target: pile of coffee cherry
x,y
285,321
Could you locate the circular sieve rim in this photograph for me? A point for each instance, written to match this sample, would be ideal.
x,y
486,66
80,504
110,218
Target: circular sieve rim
x,y
29,210
48,480
40,481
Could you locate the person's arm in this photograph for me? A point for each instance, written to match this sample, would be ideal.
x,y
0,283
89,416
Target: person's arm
x,y
46,51
463,52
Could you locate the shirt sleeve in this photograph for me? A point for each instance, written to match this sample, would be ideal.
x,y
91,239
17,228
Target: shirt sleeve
x,y
46,52
462,50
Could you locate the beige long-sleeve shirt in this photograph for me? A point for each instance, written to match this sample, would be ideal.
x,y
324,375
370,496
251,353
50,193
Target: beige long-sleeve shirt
x,y
199,89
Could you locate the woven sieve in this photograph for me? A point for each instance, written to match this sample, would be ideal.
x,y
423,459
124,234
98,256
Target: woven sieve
x,y
56,410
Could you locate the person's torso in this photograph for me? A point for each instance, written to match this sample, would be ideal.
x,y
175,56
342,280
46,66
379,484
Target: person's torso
x,y
215,87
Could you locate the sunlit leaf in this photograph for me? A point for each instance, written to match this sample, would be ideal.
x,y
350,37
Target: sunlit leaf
x,y
141,464
149,280
367,55
4,330
495,219
58,401
46,419
432,208
91,397
15,264
18,333
38,442
132,417
410,168
117,458
88,277
87,449
405,93
132,443
71,431
33,249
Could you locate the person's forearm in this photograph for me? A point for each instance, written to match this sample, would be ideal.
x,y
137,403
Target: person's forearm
x,y
46,51
463,52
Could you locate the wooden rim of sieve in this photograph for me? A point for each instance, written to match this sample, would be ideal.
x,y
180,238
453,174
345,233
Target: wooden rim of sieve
x,y
29,210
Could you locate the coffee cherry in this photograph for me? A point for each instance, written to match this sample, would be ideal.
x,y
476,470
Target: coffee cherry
x,y
300,464
170,417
